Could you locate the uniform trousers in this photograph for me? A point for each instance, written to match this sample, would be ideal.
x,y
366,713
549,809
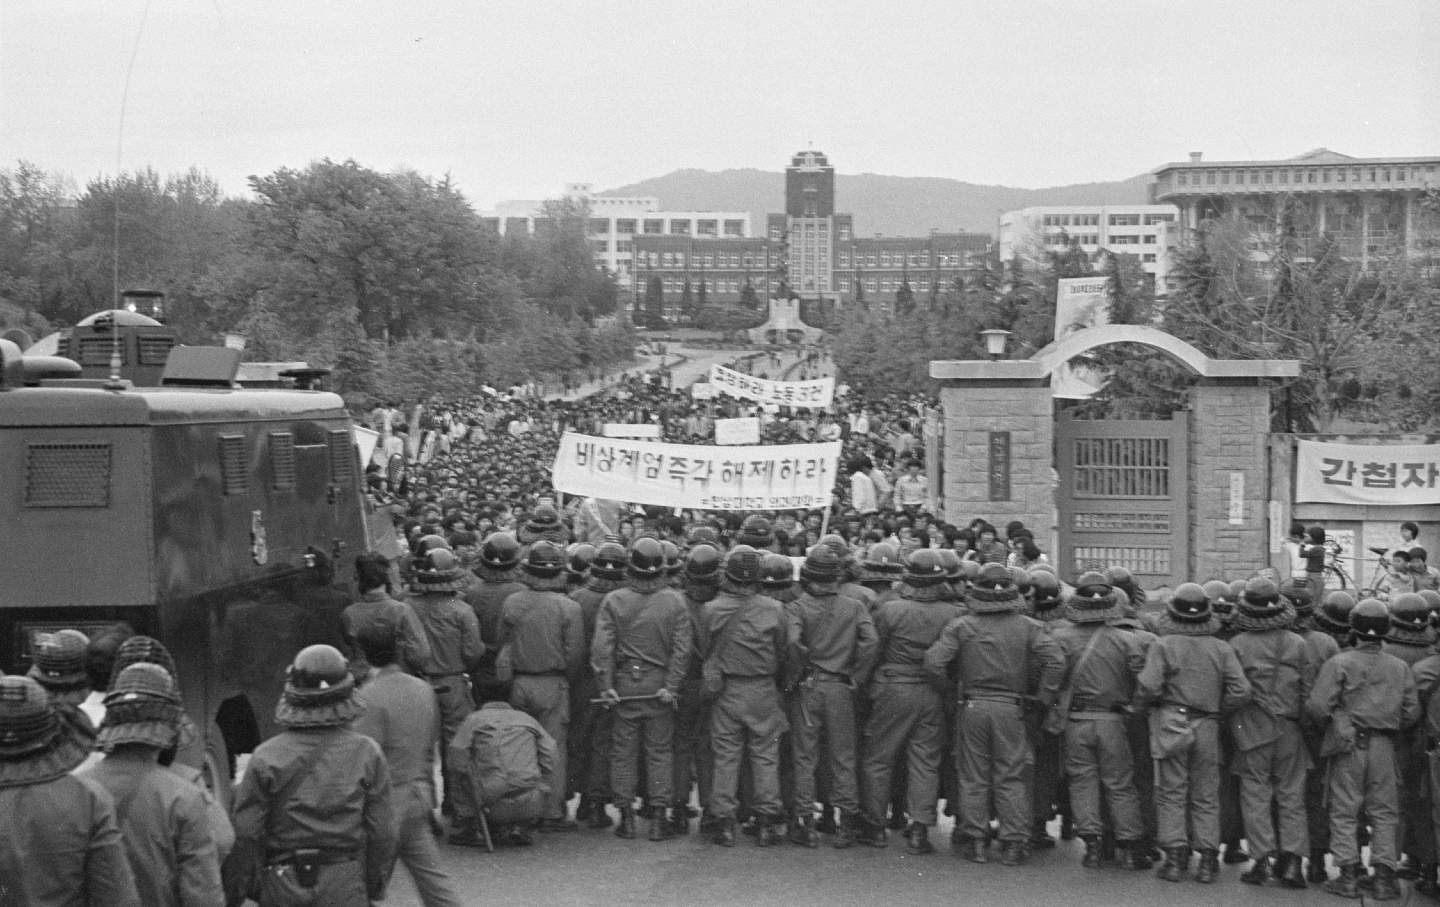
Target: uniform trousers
x,y
693,760
1365,778
1098,757
654,723
905,718
1275,773
1417,835
746,721
822,724
417,847
1187,790
546,698
452,695
993,760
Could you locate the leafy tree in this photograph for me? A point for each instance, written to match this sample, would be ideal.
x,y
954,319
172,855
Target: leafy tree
x,y
748,297
653,312
904,296
689,310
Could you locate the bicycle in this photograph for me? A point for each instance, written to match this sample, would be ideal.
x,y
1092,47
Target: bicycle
x,y
1335,570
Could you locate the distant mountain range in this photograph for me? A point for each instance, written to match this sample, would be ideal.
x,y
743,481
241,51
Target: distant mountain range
x,y
892,205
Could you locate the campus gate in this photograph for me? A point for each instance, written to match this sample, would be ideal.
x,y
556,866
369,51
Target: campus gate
x,y
1178,499
1121,497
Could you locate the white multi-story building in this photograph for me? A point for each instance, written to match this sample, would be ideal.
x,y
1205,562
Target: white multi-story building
x,y
1145,231
615,221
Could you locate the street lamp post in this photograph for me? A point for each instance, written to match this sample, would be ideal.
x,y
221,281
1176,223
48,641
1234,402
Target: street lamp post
x,y
995,342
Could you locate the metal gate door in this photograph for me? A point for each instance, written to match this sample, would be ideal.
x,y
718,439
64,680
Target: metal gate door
x,y
1122,497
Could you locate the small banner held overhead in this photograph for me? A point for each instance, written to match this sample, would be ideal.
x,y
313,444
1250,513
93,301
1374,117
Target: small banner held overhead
x,y
811,394
737,431
699,477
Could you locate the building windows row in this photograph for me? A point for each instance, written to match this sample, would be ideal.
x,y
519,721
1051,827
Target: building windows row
x,y
1071,220
1124,220
1287,176
1153,219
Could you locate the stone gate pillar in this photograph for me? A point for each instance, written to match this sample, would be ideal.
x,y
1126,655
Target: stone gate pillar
x,y
1229,479
999,444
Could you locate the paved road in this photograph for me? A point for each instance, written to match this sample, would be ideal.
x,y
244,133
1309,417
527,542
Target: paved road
x,y
595,867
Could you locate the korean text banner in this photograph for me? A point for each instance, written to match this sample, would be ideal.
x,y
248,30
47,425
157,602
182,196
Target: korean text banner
x,y
776,477
813,394
1367,473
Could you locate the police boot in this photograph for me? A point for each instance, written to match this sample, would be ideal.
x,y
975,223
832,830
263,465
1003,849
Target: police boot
x,y
1348,883
1209,868
1386,886
1107,849
1287,871
585,810
1134,856
845,831
897,816
827,824
1259,873
709,824
1235,854
725,832
1316,871
1039,837
626,828
1091,860
1013,853
599,816
1425,881
679,820
917,839
802,831
660,825
976,850
466,835
872,833
768,833
1177,860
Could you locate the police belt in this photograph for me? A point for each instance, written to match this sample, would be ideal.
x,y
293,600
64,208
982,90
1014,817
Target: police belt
x,y
996,696
829,676
539,673
1095,715
898,673
321,856
1190,710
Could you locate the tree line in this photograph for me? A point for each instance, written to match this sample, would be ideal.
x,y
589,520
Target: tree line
x,y
390,279
1364,324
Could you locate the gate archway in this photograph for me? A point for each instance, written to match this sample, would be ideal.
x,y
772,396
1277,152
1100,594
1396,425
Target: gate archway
x,y
1183,499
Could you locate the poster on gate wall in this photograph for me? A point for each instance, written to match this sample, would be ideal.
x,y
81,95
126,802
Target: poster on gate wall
x,y
697,477
1080,303
1371,474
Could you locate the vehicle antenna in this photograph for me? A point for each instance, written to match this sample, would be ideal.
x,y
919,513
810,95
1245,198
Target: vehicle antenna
x,y
115,202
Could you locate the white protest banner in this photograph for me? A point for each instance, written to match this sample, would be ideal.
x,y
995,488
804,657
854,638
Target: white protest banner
x,y
697,477
631,430
702,390
812,394
1383,474
737,431
366,440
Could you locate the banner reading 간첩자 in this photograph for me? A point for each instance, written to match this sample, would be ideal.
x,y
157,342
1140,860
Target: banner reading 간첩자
x,y
1394,474
694,476
811,394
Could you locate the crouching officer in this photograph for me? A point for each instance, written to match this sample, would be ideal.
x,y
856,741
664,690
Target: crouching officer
x,y
313,819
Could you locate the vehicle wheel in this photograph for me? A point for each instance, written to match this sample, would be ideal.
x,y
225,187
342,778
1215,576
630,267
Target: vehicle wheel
x,y
1336,579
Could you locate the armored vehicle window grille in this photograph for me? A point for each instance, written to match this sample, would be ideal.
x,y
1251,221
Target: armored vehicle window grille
x,y
67,475
97,350
234,477
342,456
282,461
155,350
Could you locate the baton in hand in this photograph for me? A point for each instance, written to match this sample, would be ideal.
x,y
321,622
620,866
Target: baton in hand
x,y
602,700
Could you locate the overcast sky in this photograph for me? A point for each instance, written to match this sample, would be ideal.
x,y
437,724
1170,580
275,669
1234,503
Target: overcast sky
x,y
513,99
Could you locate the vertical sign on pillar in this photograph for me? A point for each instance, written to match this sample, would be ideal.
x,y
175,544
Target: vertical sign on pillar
x,y
998,468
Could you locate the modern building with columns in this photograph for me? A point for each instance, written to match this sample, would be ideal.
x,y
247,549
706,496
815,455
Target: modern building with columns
x,y
1366,205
